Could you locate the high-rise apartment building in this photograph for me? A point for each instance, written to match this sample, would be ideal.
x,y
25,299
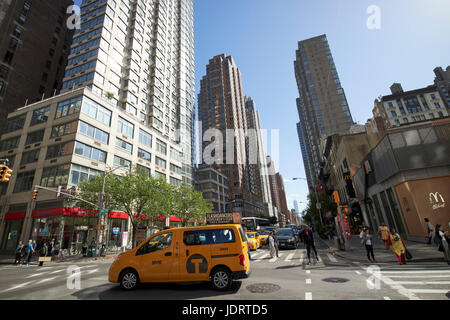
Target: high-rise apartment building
x,y
257,156
34,44
221,106
127,100
140,55
322,105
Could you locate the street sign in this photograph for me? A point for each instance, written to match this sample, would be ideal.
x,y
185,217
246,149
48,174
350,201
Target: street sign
x,y
223,218
104,211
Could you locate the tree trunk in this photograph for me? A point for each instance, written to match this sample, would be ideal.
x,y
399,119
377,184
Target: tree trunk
x,y
133,236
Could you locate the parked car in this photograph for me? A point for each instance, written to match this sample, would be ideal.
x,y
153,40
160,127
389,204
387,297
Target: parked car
x,y
287,238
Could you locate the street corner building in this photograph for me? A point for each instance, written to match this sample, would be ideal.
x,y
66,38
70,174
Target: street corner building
x,y
126,98
406,178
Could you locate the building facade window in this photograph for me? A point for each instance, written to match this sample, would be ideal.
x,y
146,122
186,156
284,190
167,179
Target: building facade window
x,y
89,152
10,143
145,138
15,123
160,162
55,176
34,137
124,146
96,111
161,146
24,181
40,115
144,154
30,157
93,132
121,162
68,107
64,129
125,127
80,173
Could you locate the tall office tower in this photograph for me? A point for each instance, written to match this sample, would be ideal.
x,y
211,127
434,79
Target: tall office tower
x,y
257,156
140,55
221,106
275,192
306,160
322,105
34,44
296,207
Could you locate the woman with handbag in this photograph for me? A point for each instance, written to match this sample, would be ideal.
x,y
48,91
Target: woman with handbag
x,y
398,246
367,238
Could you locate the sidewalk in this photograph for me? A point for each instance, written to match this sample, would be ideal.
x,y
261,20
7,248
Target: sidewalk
x,y
75,258
421,252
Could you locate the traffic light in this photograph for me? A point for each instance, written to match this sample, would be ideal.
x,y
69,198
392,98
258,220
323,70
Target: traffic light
x,y
5,174
35,192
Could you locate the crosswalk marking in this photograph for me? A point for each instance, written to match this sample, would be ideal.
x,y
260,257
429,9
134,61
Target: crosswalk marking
x,y
428,276
308,281
276,258
428,290
53,272
16,287
308,296
47,279
387,298
289,257
36,275
423,282
332,259
92,271
262,257
417,271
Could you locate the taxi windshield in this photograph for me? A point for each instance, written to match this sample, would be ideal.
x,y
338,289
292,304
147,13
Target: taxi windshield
x,y
250,235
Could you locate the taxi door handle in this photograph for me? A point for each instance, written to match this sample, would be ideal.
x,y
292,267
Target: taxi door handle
x,y
168,254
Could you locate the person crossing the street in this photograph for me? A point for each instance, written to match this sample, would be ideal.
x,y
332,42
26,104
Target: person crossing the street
x,y
368,242
430,231
398,246
19,251
271,241
443,242
383,232
308,239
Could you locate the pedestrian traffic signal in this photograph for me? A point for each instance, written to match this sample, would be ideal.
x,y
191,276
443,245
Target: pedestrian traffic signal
x,y
5,174
35,192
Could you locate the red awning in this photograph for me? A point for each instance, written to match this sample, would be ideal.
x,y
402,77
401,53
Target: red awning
x,y
15,215
66,211
117,215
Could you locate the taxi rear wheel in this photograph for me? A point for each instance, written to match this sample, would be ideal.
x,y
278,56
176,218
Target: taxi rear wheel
x,y
129,279
221,279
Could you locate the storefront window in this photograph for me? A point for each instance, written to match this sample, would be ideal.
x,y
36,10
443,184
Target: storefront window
x,y
11,236
378,211
394,206
387,210
46,229
115,229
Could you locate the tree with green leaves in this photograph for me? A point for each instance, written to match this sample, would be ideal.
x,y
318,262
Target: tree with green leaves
x,y
190,204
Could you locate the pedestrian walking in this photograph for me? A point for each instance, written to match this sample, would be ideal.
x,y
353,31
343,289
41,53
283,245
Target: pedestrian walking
x,y
56,249
19,249
276,242
308,239
84,248
361,235
368,242
271,241
383,233
430,231
43,252
398,246
443,241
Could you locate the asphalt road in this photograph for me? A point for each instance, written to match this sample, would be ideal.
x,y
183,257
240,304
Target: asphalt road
x,y
286,278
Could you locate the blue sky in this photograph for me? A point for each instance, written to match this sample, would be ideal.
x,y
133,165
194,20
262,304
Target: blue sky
x,y
262,37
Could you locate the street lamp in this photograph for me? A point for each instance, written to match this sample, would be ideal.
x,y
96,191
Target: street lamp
x,y
318,206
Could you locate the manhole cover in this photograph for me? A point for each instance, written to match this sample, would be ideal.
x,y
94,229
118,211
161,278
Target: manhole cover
x,y
335,280
263,288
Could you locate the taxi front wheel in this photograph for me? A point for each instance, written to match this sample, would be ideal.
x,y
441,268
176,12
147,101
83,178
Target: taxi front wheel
x,y
129,279
221,279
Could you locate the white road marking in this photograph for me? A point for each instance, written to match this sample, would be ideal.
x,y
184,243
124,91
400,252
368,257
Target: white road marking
x,y
357,272
253,255
275,258
308,281
423,282
47,279
428,291
57,271
427,276
93,271
89,266
302,258
332,259
289,257
18,286
387,298
35,275
308,296
262,257
417,271
308,271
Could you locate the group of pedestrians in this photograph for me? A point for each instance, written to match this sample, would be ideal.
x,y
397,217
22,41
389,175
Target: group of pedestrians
x,y
26,251
393,240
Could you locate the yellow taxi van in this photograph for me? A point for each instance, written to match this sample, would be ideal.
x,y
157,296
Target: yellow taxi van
x,y
215,253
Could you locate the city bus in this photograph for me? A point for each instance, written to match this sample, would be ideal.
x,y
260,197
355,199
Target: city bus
x,y
254,223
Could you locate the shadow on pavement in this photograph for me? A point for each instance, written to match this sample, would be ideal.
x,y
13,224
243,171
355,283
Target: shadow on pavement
x,y
155,291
